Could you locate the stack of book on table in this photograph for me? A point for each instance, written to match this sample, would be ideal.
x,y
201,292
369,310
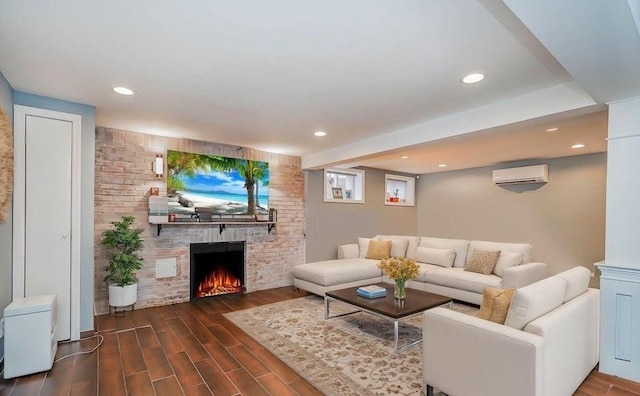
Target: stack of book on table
x,y
372,291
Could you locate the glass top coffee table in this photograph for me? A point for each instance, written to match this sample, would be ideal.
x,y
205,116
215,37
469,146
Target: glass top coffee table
x,y
388,308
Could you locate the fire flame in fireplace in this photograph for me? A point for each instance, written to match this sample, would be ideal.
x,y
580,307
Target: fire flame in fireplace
x,y
220,281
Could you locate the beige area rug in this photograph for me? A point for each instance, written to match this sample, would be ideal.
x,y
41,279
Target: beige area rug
x,y
349,355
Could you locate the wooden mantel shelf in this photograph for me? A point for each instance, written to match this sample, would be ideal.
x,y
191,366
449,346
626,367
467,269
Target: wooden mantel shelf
x,y
222,224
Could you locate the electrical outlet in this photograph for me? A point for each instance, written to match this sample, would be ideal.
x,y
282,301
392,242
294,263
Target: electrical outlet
x,y
1,327
593,274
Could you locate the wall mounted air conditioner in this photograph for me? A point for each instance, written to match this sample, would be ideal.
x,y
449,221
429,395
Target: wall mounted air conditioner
x,y
521,175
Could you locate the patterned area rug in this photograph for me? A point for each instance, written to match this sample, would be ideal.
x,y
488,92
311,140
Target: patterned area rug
x,y
349,355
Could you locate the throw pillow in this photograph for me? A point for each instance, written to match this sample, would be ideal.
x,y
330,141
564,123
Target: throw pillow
x,y
379,250
507,259
482,262
577,280
495,304
461,247
399,247
532,301
363,244
441,257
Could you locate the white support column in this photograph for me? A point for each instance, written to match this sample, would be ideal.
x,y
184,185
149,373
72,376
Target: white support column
x,y
620,280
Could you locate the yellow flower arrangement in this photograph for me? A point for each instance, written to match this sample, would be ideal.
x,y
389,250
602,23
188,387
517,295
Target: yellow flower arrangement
x,y
399,268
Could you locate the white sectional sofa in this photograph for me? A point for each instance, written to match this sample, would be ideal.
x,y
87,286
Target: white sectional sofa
x,y
548,345
441,263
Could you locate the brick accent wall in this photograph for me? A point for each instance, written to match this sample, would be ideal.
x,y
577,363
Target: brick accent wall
x,y
123,178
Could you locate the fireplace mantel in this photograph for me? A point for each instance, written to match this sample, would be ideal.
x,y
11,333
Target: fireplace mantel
x,y
222,224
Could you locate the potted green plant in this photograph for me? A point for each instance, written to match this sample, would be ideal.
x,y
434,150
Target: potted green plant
x,y
123,243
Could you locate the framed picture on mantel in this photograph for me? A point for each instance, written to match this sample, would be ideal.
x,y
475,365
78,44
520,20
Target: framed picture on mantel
x,y
273,215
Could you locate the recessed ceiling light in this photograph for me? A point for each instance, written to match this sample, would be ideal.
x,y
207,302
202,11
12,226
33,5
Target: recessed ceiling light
x,y
552,129
404,157
442,165
579,145
123,91
473,78
320,133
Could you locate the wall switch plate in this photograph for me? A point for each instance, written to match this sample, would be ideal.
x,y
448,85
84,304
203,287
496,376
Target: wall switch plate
x,y
166,268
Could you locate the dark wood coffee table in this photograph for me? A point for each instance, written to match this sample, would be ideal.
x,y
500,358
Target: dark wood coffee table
x,y
387,307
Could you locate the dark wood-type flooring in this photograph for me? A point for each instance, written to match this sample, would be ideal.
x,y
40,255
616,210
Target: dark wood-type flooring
x,y
191,349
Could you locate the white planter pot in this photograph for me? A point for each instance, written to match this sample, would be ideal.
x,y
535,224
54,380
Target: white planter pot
x,y
123,296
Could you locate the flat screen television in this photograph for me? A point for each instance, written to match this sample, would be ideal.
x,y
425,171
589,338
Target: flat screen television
x,y
217,185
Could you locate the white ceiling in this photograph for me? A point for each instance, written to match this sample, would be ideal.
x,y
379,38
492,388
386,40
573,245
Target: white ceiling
x,y
523,141
380,77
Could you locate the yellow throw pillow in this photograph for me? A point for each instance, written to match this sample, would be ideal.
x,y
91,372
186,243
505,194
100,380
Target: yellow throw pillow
x,y
495,304
481,261
379,250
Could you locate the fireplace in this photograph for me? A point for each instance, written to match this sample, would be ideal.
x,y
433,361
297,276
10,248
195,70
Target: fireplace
x,y
216,269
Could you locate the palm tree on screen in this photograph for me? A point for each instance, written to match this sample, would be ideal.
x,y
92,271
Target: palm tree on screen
x,y
251,171
179,163
187,164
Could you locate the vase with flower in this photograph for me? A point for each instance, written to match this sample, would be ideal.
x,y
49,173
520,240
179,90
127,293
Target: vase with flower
x,y
400,269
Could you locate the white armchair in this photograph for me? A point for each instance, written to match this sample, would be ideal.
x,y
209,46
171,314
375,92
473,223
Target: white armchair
x,y
551,356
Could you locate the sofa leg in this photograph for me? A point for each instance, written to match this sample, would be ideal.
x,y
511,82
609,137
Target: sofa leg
x,y
429,390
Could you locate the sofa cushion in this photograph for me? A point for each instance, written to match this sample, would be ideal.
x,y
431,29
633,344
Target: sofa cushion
x,y
413,242
495,304
459,245
440,257
378,250
577,279
534,300
458,278
523,248
334,272
424,269
482,261
507,259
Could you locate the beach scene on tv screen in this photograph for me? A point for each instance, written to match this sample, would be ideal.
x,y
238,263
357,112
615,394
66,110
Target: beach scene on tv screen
x,y
227,186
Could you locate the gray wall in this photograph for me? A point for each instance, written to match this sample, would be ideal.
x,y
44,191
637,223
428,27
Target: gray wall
x,y
331,224
87,160
564,219
6,240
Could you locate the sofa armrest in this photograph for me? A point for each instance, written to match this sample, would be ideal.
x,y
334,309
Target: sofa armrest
x,y
349,251
571,335
464,355
523,275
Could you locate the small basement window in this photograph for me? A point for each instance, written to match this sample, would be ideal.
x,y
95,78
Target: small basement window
x,y
343,185
399,190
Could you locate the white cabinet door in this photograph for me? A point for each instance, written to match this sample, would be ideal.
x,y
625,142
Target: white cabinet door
x,y
44,168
